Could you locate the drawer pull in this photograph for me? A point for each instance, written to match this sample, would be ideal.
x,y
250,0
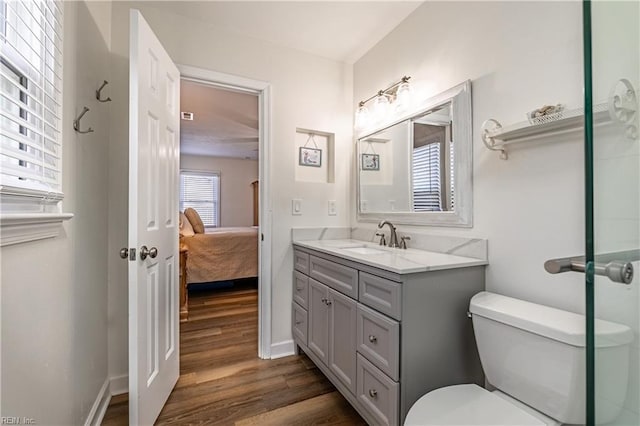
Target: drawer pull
x,y
298,322
298,288
372,338
373,393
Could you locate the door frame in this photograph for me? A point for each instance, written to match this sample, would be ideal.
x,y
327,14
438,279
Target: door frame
x,y
263,91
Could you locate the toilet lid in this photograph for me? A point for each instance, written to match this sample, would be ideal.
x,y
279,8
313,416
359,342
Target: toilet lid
x,y
466,405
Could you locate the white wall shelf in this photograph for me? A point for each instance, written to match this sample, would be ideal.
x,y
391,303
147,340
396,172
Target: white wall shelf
x,y
621,109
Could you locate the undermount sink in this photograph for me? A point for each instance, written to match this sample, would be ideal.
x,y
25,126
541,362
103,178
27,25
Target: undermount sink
x,y
364,250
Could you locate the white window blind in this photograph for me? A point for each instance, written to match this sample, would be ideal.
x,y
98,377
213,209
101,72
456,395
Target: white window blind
x,y
201,191
426,178
31,98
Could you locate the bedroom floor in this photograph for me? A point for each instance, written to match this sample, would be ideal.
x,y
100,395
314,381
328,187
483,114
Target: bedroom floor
x,y
223,382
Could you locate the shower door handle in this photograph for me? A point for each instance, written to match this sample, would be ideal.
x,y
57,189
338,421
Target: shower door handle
x,y
616,266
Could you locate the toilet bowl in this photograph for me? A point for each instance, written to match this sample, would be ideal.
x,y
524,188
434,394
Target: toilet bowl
x,y
534,356
472,405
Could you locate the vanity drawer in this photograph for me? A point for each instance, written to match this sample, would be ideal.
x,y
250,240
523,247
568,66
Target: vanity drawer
x,y
301,261
301,289
377,393
379,340
299,317
339,277
381,294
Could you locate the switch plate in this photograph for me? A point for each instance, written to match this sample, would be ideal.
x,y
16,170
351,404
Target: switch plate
x,y
296,207
332,207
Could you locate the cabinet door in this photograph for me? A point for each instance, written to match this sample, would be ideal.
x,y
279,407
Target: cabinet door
x,y
342,338
319,320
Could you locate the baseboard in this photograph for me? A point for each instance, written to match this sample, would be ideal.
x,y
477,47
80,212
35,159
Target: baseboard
x,y
100,405
282,349
119,384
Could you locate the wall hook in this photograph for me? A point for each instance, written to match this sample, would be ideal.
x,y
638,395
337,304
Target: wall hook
x,y
76,122
98,95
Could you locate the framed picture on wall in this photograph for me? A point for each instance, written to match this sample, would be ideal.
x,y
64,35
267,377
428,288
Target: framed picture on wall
x,y
370,162
310,157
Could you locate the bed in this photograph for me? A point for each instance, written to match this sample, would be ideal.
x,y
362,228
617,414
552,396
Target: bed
x,y
221,254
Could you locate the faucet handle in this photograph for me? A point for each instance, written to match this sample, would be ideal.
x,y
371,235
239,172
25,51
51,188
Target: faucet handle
x,y
383,241
403,242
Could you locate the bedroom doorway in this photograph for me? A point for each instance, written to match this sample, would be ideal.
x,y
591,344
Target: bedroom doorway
x,y
224,153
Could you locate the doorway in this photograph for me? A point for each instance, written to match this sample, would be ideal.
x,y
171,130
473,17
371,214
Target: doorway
x,y
261,90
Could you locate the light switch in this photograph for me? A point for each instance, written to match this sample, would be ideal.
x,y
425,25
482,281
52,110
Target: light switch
x,y
332,207
296,207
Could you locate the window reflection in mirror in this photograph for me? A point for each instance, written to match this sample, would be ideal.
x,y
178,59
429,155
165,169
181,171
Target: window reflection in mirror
x,y
432,161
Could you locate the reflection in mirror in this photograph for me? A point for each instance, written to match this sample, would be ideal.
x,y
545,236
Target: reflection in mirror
x,y
384,181
418,170
432,165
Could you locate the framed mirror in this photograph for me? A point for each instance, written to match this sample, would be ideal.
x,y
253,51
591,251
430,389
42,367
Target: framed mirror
x,y
418,170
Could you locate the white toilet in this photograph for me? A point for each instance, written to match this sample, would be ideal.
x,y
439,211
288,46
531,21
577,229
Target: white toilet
x,y
534,356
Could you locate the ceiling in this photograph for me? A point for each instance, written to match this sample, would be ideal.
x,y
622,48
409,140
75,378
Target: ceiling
x,y
338,30
225,123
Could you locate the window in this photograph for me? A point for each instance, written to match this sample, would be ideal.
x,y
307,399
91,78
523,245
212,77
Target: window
x,y
426,178
30,105
201,192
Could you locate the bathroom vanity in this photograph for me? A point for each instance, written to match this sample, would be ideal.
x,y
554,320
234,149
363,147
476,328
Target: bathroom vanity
x,y
385,325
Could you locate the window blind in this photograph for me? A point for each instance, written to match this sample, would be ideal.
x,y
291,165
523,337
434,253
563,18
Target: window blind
x,y
31,96
201,191
426,178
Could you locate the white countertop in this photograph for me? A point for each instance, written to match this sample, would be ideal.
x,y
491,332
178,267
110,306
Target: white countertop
x,y
396,260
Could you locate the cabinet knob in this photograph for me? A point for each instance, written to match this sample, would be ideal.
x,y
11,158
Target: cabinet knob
x,y
373,393
323,300
372,338
328,302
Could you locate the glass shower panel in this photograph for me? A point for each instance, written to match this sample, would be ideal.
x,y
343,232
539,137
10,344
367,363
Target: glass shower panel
x,y
615,73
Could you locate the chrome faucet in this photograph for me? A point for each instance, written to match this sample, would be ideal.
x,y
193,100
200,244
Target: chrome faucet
x,y
393,237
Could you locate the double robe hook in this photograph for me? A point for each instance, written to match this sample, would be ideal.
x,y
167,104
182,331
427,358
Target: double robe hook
x,y
76,122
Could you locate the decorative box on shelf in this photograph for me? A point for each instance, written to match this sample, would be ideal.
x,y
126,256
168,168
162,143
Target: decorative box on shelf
x,y
621,109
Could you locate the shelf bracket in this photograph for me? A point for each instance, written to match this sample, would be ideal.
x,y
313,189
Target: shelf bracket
x,y
491,126
623,107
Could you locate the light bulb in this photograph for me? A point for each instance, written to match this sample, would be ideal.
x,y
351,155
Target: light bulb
x,y
380,106
362,117
403,96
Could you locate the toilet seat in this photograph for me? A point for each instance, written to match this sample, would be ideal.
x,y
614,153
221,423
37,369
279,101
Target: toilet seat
x,y
467,405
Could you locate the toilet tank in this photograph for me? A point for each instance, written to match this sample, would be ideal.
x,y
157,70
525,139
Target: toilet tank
x,y
536,354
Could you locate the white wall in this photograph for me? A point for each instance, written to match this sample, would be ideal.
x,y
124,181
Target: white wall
x,y
519,56
307,92
54,292
236,192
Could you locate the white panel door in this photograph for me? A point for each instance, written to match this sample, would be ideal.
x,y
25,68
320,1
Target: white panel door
x,y
154,96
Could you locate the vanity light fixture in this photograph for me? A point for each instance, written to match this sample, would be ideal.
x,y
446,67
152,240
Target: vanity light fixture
x,y
395,97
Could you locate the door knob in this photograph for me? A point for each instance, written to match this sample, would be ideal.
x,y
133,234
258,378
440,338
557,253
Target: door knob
x,y
124,252
151,252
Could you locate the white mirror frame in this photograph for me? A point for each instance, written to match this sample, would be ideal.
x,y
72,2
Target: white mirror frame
x,y
462,216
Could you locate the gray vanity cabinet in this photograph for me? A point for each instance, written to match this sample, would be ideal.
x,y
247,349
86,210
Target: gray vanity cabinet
x,y
318,336
385,339
332,331
342,338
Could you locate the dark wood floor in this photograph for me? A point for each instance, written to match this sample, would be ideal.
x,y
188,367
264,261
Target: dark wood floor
x,y
223,382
